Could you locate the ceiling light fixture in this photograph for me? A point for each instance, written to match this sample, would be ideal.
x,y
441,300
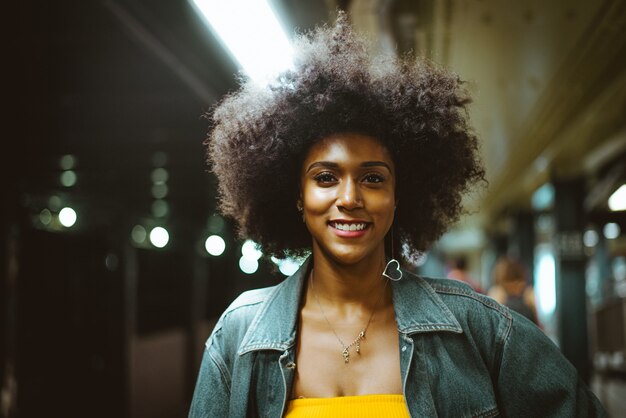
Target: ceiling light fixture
x,y
617,201
252,34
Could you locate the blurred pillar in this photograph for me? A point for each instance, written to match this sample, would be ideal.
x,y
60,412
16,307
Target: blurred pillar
x,y
602,260
570,274
8,318
129,292
197,314
522,243
500,244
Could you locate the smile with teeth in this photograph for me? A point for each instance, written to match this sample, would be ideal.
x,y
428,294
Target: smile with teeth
x,y
349,227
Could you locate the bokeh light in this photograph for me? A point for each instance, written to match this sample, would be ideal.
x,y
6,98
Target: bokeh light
x,y
250,250
215,245
45,216
67,217
159,175
590,238
611,230
159,237
139,234
68,178
248,265
67,162
288,266
159,190
160,208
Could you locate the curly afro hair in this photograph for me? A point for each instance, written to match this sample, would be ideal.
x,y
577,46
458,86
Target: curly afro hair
x,y
260,135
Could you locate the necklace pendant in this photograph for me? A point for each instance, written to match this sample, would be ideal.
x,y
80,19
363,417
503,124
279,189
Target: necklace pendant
x,y
358,347
346,355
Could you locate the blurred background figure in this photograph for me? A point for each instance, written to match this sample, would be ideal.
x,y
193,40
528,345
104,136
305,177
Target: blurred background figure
x,y
458,271
512,288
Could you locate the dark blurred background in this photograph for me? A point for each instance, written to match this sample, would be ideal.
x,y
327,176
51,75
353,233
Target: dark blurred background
x,y
104,315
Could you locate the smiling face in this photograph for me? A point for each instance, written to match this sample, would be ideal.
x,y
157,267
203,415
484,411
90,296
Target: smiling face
x,y
348,196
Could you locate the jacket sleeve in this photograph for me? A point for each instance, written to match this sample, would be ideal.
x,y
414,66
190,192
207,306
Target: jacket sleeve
x,y
535,379
211,396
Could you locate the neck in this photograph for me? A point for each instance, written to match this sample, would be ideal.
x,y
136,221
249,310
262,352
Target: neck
x,y
357,284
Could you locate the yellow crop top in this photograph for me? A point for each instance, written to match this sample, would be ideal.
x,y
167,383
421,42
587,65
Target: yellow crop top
x,y
364,406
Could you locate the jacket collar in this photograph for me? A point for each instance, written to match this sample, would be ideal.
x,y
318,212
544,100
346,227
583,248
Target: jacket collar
x,y
417,306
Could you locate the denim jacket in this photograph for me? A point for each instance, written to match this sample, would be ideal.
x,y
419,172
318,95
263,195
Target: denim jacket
x,y
461,355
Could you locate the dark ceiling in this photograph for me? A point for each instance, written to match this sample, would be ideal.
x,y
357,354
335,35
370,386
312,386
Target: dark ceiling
x,y
112,82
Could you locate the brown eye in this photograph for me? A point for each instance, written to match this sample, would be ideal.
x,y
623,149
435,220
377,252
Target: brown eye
x,y
325,178
374,178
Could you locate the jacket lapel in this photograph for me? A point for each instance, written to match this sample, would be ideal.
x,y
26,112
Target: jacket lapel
x,y
419,308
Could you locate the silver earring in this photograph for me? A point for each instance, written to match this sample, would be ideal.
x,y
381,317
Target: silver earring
x,y
392,269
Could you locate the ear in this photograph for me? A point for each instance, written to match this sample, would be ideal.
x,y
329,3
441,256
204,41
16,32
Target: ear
x,y
299,203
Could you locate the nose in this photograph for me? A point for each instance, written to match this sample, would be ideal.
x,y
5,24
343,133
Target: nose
x,y
349,195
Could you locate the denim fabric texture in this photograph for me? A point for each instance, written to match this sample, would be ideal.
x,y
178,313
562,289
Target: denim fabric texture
x,y
461,355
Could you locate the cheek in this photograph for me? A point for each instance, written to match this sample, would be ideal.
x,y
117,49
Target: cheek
x,y
384,209
317,200
387,209
383,202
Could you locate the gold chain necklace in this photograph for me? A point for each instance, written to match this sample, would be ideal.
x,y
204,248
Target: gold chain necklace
x,y
345,352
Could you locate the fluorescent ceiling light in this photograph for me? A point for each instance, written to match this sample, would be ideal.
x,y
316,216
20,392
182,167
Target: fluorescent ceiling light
x,y
617,201
545,272
252,34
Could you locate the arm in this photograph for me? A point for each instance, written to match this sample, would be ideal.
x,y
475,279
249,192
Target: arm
x,y
535,379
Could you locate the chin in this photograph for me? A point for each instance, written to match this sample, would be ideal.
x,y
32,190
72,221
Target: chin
x,y
349,256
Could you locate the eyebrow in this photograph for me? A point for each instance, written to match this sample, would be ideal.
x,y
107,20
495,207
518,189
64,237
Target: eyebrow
x,y
330,164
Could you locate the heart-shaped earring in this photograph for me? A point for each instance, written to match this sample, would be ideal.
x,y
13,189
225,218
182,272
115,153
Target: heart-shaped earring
x,y
392,270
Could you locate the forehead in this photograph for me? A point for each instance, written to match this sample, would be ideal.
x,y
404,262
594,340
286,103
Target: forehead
x,y
348,147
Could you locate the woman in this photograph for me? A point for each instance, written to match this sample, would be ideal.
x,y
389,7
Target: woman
x,y
512,289
350,161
